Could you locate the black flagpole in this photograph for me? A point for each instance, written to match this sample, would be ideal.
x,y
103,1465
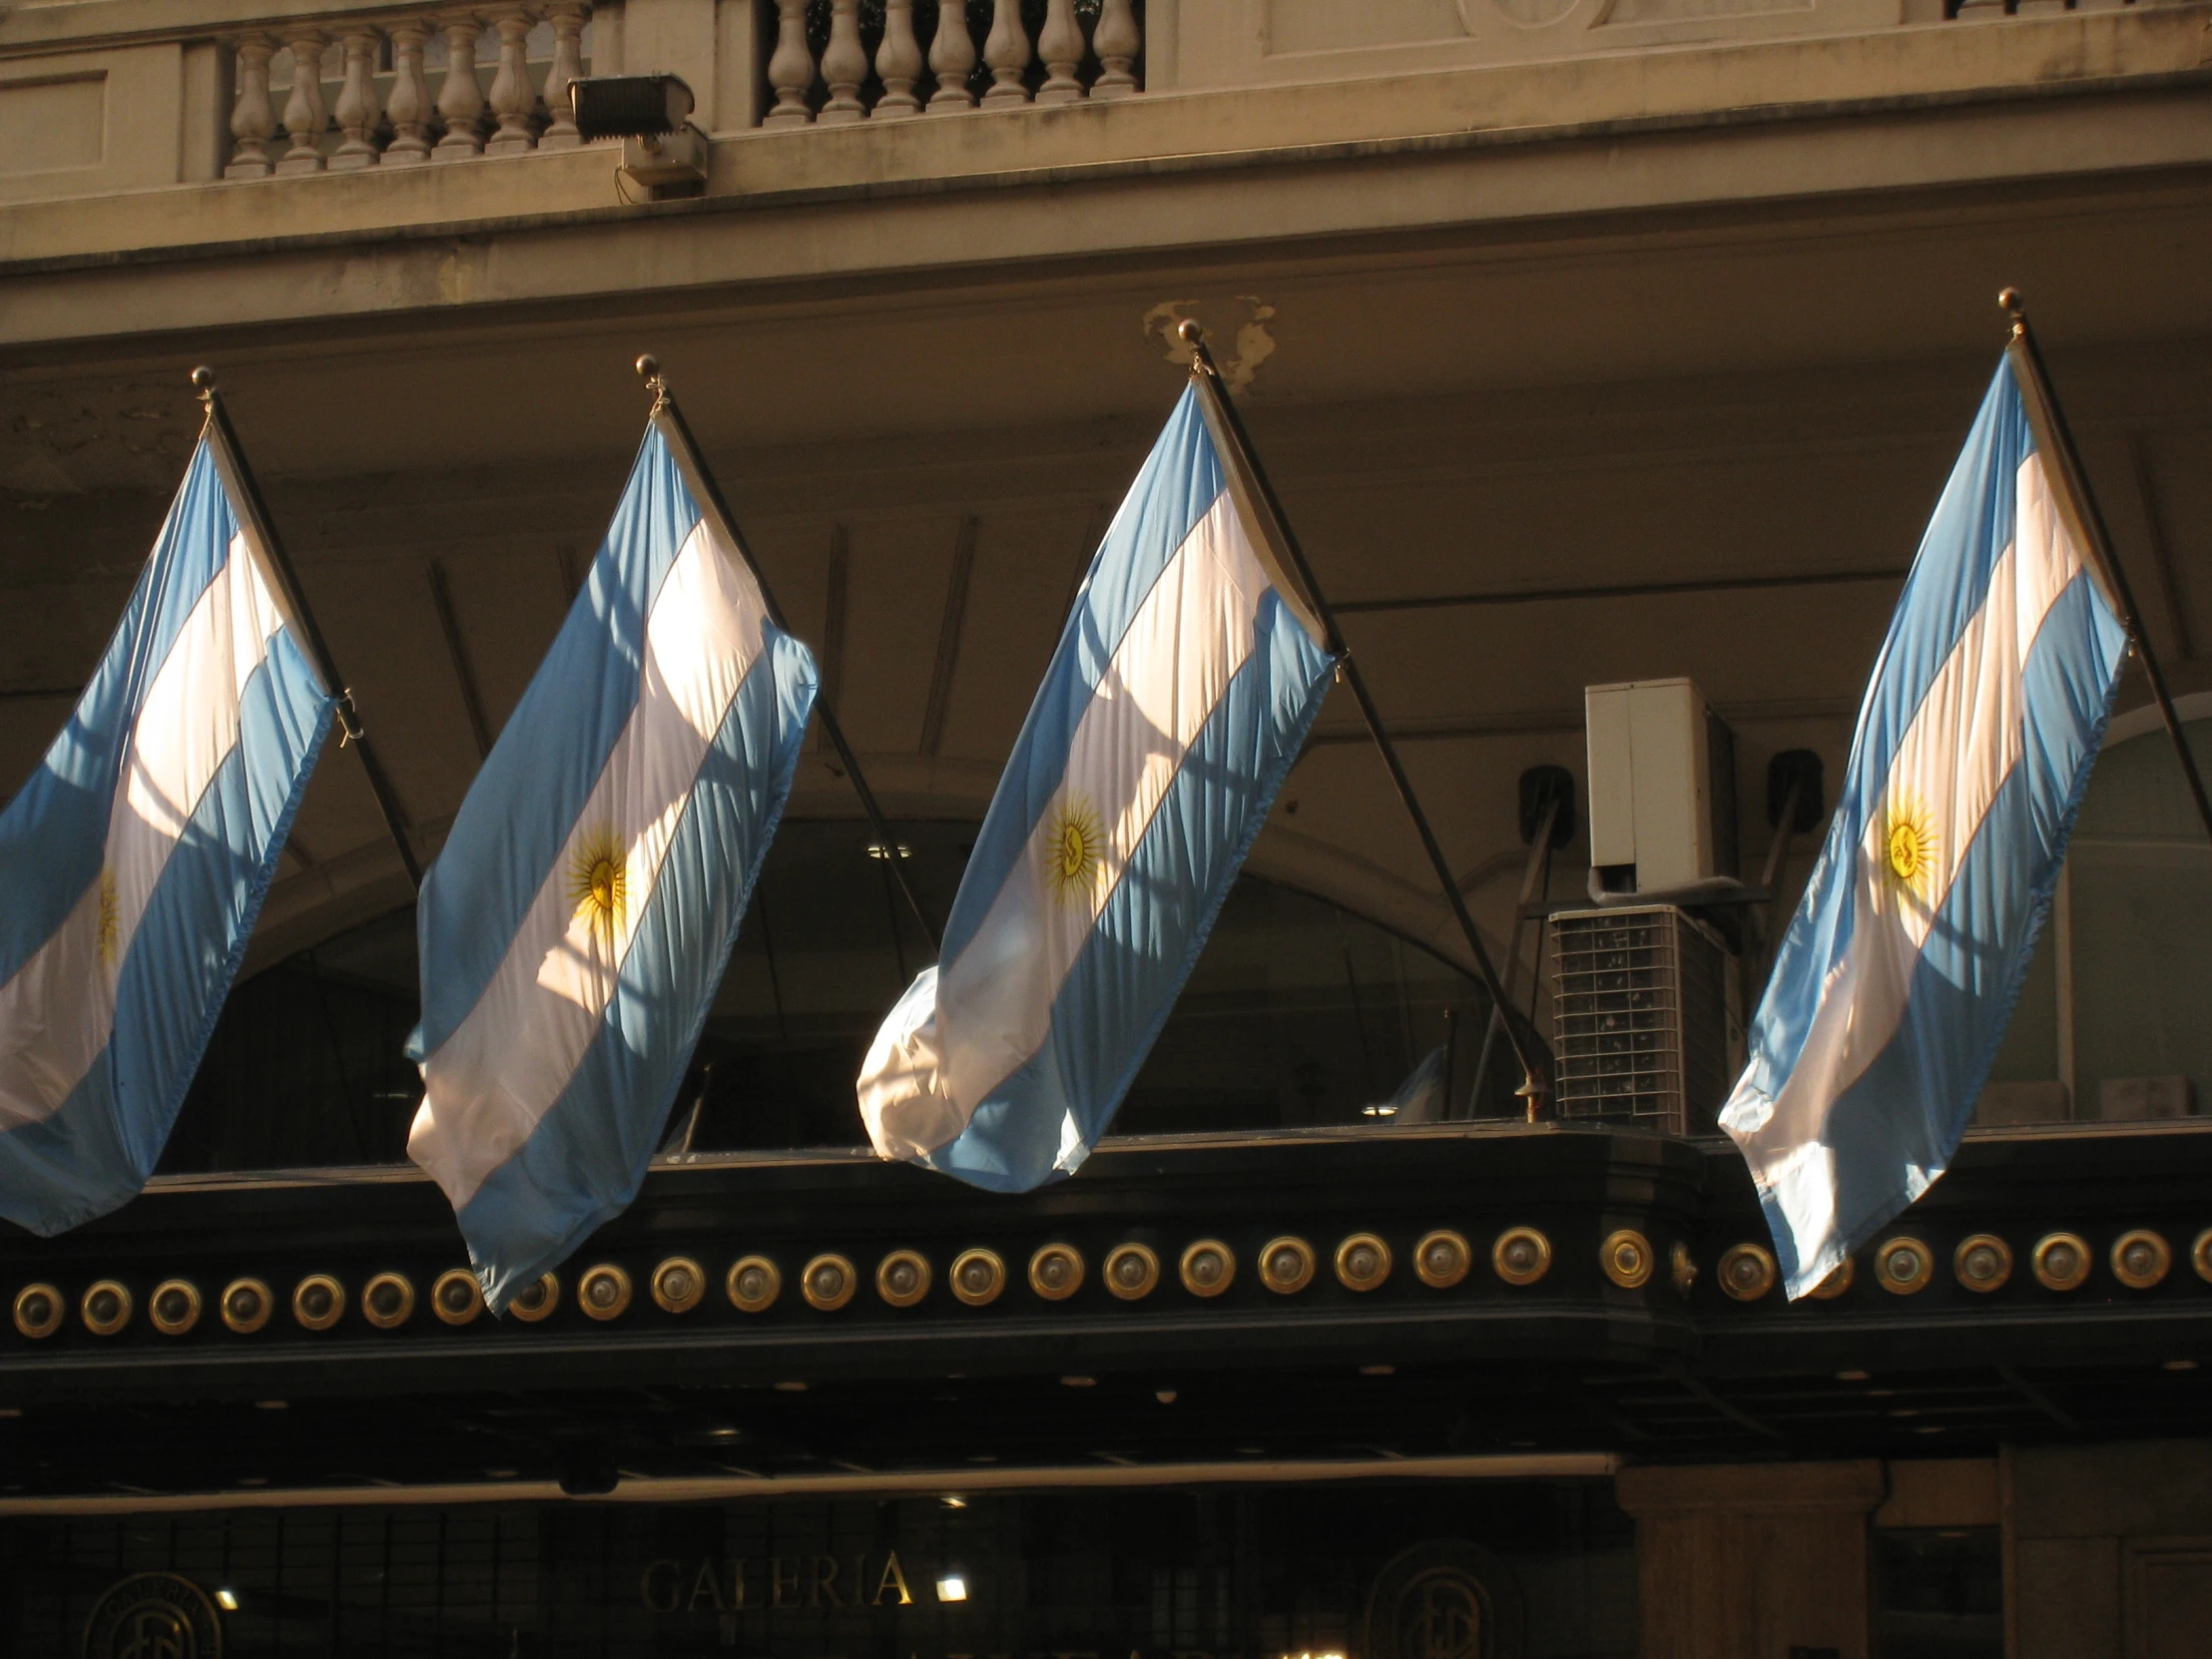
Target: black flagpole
x,y
679,433
272,549
2055,437
1536,1071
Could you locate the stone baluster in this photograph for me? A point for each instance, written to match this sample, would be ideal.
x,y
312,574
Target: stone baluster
x,y
357,110
1060,44
567,18
461,98
1007,50
898,62
410,104
844,65
513,99
253,120
304,113
792,70
951,59
1117,41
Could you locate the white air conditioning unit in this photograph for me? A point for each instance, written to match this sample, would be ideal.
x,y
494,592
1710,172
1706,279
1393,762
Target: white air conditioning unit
x,y
1662,789
1646,1028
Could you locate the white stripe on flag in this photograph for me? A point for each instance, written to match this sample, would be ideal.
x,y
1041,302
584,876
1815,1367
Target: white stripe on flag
x,y
1964,742
488,1085
58,1011
993,1003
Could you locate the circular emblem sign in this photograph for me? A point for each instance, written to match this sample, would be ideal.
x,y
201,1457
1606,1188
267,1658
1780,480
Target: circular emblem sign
x,y
153,1615
1448,1599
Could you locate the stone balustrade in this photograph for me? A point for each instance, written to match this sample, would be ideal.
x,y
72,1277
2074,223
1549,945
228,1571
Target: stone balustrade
x,y
500,77
926,58
440,83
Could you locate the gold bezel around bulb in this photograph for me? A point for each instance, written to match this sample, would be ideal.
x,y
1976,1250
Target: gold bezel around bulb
x,y
978,1277
1443,1258
679,1284
332,1295
1521,1256
1120,1283
1628,1259
1745,1272
1286,1264
388,1312
1362,1262
539,1301
39,1311
917,1277
1188,1268
753,1284
259,1304
827,1282
604,1292
441,1300
1056,1270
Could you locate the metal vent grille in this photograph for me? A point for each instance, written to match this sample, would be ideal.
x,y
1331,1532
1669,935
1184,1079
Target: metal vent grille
x,y
1640,1011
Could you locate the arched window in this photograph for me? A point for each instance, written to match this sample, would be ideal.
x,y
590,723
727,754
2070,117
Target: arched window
x,y
1298,1014
2111,1023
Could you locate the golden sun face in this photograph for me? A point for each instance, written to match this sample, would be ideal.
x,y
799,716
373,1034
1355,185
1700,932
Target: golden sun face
x,y
599,884
111,919
1073,841
1911,846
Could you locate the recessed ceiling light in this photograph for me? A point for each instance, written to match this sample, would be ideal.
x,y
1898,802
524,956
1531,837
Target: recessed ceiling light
x,y
952,1587
1079,1381
227,1599
1166,1396
952,1503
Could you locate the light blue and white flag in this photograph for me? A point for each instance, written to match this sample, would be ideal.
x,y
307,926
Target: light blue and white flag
x,y
576,923
1181,687
133,862
1895,981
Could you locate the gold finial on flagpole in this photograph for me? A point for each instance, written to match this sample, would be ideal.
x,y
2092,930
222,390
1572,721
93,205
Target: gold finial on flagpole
x,y
2014,307
1194,337
649,370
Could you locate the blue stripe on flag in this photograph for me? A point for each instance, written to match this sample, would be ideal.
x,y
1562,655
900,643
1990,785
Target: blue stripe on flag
x,y
1123,985
54,832
551,750
583,1163
95,1151
1894,1130
1179,483
1969,532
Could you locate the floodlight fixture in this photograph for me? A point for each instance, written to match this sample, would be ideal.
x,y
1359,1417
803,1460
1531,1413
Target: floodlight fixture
x,y
630,106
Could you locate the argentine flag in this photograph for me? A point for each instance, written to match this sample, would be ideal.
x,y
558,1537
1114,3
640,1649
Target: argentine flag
x,y
575,922
1895,981
1181,687
133,862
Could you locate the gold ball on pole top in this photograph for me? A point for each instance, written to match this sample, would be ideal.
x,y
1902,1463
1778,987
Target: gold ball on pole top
x,y
2015,308
202,380
648,366
1187,332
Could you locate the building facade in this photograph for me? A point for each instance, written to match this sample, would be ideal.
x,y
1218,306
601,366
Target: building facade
x,y
1587,341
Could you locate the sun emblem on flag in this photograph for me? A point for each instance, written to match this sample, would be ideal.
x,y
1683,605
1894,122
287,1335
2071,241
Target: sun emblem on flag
x,y
110,918
1072,844
599,884
1910,844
